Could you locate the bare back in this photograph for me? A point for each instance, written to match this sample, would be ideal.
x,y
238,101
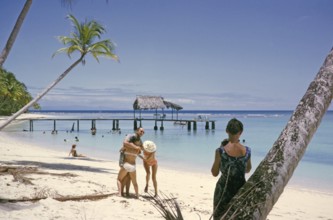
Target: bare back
x,y
235,149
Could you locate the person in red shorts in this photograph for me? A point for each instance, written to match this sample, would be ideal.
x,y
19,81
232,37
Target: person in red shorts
x,y
150,163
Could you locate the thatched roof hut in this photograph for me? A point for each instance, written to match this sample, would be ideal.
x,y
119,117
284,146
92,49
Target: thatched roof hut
x,y
172,105
153,103
148,103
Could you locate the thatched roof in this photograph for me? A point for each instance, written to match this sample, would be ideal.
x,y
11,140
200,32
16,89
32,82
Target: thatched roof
x,y
148,102
153,102
172,105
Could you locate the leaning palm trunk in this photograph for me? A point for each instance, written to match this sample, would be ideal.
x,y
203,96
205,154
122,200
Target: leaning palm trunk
x,y
258,196
35,100
15,32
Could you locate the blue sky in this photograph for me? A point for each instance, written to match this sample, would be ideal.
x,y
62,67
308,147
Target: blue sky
x,y
200,54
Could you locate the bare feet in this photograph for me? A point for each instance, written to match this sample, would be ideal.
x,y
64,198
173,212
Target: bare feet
x,y
146,189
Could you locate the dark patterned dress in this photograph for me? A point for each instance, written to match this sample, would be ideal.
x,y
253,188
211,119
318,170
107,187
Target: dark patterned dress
x,y
231,180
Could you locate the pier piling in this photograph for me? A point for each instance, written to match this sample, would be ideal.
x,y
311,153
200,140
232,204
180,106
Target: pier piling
x,y
116,123
194,126
189,125
135,125
207,125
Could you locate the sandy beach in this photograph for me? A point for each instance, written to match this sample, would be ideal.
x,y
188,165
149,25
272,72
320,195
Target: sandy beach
x,y
53,176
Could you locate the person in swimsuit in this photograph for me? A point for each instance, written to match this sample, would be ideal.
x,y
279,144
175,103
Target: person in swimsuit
x,y
126,182
233,160
149,149
132,148
74,153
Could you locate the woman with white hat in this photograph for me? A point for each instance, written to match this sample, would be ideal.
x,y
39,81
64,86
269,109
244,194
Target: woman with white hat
x,y
149,149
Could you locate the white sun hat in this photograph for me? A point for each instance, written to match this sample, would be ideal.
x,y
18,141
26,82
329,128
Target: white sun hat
x,y
149,146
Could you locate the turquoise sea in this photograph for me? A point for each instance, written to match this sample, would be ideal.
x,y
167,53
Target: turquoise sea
x,y
183,149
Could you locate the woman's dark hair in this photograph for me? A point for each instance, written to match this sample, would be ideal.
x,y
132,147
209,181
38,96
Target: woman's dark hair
x,y
234,126
224,142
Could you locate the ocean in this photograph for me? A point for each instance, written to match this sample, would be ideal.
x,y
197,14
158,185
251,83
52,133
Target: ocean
x,y
180,148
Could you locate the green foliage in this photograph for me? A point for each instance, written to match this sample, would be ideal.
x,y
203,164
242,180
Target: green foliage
x,y
13,94
82,40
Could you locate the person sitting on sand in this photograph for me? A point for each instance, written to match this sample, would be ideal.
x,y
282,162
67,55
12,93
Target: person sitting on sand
x,y
149,149
74,153
131,151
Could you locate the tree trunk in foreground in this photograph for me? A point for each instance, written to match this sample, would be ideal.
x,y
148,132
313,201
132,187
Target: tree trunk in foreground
x,y
258,196
38,97
15,31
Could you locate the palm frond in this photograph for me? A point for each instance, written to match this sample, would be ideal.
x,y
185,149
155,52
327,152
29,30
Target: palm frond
x,y
167,206
83,38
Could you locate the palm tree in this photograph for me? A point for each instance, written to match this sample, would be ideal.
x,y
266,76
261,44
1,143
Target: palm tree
x,y
15,31
17,27
80,40
258,196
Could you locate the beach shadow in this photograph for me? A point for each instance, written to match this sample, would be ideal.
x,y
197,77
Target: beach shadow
x,y
6,206
83,158
62,166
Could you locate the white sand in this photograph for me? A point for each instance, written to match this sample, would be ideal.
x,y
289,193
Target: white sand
x,y
194,191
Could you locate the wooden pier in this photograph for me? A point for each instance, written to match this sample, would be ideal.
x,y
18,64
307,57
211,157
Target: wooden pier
x,y
116,123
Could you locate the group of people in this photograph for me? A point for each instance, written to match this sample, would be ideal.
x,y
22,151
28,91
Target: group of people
x,y
131,149
232,160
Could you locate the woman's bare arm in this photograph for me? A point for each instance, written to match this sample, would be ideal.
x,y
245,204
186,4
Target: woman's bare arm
x,y
248,165
216,165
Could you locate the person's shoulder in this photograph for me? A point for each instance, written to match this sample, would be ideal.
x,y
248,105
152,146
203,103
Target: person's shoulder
x,y
129,136
247,147
219,150
248,150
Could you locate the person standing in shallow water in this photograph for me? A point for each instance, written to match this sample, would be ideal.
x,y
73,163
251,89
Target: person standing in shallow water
x,y
233,160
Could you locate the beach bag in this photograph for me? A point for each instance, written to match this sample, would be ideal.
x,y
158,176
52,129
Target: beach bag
x,y
121,158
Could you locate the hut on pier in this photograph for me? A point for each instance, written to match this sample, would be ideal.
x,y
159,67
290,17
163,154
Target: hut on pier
x,y
173,107
154,103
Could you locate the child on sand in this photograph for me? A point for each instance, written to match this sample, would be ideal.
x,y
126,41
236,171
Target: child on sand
x,y
74,153
149,149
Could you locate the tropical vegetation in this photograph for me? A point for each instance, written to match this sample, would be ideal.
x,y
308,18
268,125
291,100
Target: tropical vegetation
x,y
81,40
13,94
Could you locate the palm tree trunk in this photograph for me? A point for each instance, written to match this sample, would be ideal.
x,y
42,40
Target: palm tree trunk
x,y
15,32
27,106
258,196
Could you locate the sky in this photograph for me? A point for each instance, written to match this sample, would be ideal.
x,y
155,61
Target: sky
x,y
200,54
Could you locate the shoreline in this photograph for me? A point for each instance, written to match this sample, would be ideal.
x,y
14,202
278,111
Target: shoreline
x,y
302,183
90,176
193,191
301,178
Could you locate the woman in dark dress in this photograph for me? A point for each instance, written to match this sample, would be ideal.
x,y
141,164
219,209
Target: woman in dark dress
x,y
233,160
